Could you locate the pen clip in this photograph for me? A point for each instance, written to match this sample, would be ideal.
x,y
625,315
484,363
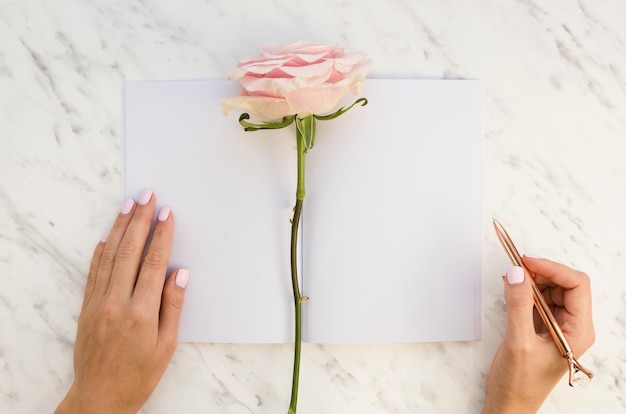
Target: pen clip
x,y
544,311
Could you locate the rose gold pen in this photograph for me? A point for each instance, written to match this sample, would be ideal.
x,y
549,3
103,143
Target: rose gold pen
x,y
544,311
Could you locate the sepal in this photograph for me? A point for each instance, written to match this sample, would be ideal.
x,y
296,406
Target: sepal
x,y
306,128
341,111
249,126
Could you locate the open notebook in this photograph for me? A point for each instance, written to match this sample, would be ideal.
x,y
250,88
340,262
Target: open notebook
x,y
391,227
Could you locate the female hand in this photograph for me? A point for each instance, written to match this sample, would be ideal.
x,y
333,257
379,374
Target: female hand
x,y
128,324
528,364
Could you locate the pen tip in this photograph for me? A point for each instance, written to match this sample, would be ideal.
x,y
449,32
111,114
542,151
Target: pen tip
x,y
498,226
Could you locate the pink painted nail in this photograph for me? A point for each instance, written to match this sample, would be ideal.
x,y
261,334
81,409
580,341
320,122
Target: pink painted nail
x,y
515,275
145,197
127,206
182,277
105,236
164,213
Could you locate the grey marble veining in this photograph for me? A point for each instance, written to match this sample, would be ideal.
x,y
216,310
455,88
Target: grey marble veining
x,y
554,151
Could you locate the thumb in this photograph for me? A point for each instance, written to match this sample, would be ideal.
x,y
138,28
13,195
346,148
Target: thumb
x,y
172,305
518,295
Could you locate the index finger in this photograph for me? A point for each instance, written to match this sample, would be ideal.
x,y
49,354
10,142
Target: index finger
x,y
553,273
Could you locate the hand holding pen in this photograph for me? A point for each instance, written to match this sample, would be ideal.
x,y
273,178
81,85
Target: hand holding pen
x,y
529,363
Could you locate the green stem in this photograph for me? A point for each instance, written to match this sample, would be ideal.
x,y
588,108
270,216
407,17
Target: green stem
x,y
305,138
297,297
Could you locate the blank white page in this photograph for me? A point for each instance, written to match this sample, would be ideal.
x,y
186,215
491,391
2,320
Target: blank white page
x,y
388,185
231,193
393,235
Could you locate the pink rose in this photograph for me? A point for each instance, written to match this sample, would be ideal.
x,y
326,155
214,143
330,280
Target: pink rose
x,y
301,78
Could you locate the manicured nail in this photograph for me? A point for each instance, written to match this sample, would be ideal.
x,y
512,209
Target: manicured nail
x,y
515,275
105,236
532,256
127,206
182,277
164,213
145,197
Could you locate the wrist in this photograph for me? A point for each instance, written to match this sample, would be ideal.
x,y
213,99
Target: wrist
x,y
503,408
69,405
510,400
509,403
80,402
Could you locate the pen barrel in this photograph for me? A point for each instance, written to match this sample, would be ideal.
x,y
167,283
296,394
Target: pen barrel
x,y
540,303
543,309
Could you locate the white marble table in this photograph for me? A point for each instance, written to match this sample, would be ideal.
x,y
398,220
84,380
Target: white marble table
x,y
554,156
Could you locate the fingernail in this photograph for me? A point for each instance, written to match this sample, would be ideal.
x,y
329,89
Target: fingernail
x,y
164,213
105,236
145,197
127,206
182,277
515,275
532,256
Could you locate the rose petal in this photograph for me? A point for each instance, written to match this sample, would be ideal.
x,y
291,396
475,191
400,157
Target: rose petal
x,y
274,87
348,61
308,58
264,67
305,48
302,77
279,87
309,71
263,106
317,101
300,58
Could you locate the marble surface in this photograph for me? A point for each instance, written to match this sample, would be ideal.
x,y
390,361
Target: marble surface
x,y
554,151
